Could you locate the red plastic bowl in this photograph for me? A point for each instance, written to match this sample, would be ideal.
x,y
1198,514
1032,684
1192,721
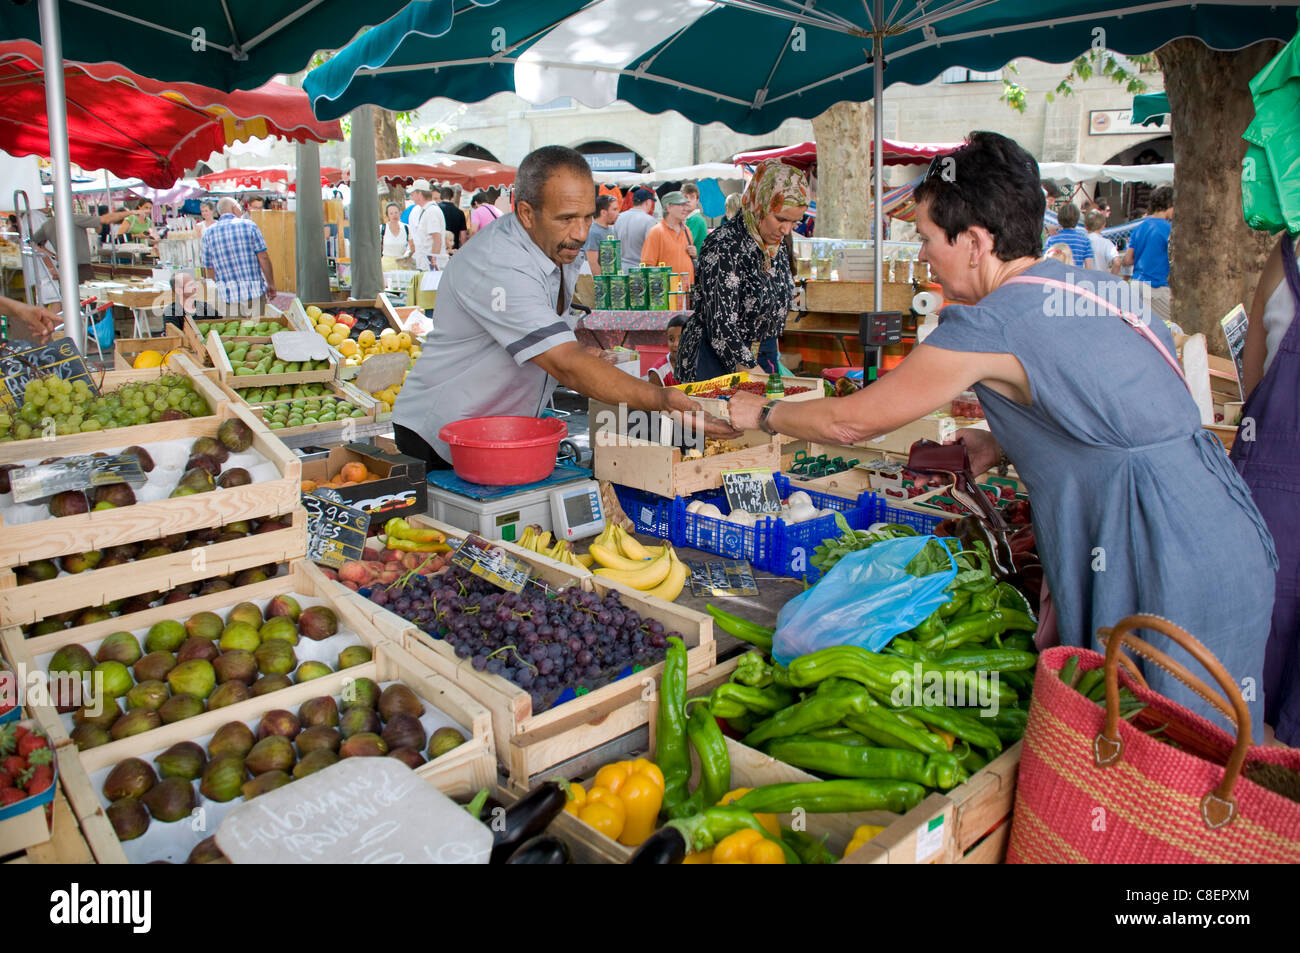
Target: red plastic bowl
x,y
504,451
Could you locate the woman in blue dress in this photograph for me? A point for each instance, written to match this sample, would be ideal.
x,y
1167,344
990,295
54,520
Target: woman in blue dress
x,y
1137,507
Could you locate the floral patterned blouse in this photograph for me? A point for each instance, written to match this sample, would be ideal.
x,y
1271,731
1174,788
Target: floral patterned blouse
x,y
740,296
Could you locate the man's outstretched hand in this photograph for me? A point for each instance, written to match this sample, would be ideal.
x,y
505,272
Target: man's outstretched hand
x,y
677,403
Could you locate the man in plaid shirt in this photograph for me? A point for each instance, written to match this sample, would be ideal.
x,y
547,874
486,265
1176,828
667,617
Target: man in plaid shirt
x,y
234,253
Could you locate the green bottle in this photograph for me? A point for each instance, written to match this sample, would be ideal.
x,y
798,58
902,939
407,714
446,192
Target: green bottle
x,y
774,386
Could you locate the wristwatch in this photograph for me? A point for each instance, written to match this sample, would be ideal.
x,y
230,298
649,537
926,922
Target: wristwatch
x,y
762,418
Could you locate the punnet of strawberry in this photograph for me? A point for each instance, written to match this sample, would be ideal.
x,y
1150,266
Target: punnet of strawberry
x,y
27,767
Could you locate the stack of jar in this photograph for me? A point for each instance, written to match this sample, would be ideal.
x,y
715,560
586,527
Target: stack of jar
x,y
643,288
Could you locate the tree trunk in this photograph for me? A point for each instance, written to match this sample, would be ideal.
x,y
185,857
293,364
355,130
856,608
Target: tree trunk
x,y
1215,259
844,191
388,146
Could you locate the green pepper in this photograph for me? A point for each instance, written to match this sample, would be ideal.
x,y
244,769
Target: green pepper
x,y
960,600
705,829
840,735
956,723
906,648
817,711
847,761
986,600
1007,723
475,806
987,660
811,850
1090,680
978,627
742,629
1020,641
1068,669
884,676
730,700
972,760
1021,682
846,796
711,747
671,752
753,671
887,729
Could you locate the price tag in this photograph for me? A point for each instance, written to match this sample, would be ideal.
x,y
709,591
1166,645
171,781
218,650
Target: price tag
x,y
725,577
492,563
1234,329
58,358
299,346
74,473
336,532
752,490
382,370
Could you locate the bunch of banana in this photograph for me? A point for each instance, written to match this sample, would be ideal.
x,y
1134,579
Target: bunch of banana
x,y
539,541
655,570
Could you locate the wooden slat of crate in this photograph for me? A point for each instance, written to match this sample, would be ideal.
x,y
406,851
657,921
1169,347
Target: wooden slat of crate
x,y
126,350
66,845
21,605
217,353
940,429
856,296
460,773
25,542
528,743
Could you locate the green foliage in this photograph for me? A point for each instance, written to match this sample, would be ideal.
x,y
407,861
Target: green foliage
x,y
1097,62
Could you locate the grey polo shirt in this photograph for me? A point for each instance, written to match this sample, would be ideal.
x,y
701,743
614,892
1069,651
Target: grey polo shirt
x,y
495,313
48,232
631,228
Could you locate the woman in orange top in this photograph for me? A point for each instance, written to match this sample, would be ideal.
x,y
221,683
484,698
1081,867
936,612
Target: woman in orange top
x,y
669,242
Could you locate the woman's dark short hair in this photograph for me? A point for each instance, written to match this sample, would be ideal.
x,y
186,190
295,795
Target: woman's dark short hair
x,y
1161,199
993,183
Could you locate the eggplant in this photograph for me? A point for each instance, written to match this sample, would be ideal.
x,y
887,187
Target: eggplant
x,y
529,816
542,850
664,846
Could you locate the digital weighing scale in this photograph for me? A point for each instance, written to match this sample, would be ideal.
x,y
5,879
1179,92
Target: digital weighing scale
x,y
567,503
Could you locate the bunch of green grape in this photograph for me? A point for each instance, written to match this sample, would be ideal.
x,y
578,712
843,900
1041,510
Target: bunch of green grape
x,y
72,407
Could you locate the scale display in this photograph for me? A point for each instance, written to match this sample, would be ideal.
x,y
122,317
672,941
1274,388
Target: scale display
x,y
576,512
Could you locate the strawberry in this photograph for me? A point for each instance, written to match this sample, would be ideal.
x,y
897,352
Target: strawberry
x,y
13,765
42,776
30,743
10,795
6,780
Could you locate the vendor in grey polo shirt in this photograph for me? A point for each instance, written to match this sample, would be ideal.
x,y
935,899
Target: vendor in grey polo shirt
x,y
502,333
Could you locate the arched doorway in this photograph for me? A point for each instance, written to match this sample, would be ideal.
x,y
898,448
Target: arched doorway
x,y
607,156
1127,201
472,150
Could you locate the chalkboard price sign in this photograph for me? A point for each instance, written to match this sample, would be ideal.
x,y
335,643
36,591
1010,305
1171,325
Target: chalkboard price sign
x,y
751,490
58,358
492,563
74,473
336,532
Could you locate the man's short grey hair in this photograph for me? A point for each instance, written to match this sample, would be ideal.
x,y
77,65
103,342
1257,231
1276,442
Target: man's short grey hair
x,y
538,167
228,205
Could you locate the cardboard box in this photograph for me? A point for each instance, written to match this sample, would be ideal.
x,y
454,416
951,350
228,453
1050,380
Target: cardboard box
x,y
403,491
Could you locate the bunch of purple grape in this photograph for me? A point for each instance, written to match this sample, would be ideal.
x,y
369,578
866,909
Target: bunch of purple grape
x,y
542,641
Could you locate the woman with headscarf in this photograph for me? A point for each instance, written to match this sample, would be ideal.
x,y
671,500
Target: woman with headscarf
x,y
743,285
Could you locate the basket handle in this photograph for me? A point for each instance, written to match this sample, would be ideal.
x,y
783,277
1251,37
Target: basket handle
x,y
1218,807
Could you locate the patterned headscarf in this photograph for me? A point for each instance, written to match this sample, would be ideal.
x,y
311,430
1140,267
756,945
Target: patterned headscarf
x,y
774,186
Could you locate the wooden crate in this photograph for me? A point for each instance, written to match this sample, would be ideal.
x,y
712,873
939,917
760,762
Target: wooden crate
x,y
38,448
459,773
46,538
664,470
337,389
941,427
194,326
126,350
303,580
217,354
67,845
855,297
381,302
529,744
21,605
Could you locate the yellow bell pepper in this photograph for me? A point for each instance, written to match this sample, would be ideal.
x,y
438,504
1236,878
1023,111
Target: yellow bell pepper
x,y
700,857
604,812
639,787
767,820
861,836
577,799
747,846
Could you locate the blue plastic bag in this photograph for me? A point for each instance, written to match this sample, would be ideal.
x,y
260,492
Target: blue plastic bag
x,y
866,599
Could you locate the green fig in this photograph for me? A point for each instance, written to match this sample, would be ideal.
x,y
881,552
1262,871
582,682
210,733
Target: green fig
x,y
272,753
246,612
80,562
443,740
360,693
240,635
283,605
196,647
40,570
397,699
353,655
233,738
228,693
322,710
318,737
311,669
317,623
358,720
184,760
195,480
149,695
270,683
195,677
119,647
91,616
72,658
313,762
179,707
222,778
210,447
89,736
170,800
102,716
135,722
207,852
236,665
275,657
111,679
280,627
364,745
235,435
267,781
279,722
205,625
165,636
129,778
154,666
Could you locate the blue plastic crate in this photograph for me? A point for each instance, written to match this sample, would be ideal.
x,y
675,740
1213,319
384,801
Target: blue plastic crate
x,y
796,542
720,536
652,514
884,512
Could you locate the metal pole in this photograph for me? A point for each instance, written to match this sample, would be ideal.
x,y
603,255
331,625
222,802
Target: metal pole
x,y
878,120
56,107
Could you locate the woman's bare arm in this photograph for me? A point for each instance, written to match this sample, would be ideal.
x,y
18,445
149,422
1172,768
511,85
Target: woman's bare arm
x,y
1252,358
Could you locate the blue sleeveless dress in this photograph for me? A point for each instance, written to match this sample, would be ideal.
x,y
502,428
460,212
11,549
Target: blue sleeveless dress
x,y
1137,507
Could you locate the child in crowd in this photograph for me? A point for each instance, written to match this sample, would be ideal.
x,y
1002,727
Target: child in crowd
x,y
664,373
